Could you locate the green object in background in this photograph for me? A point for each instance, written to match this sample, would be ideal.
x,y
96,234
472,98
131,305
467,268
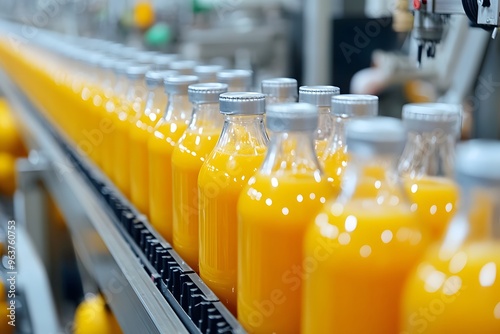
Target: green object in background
x,y
200,6
159,34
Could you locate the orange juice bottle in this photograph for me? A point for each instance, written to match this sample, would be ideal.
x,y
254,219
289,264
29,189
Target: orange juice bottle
x,y
279,90
455,287
120,148
236,80
362,246
274,210
426,165
184,67
142,127
190,153
236,157
344,108
207,73
321,96
167,131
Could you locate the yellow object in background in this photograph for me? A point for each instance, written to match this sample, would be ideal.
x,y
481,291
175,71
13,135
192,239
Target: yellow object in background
x,y
93,317
144,14
10,139
7,174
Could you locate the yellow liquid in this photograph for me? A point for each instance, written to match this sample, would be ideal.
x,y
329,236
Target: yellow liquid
x,y
220,182
160,147
435,200
188,157
273,213
359,256
456,293
334,165
140,131
320,147
121,150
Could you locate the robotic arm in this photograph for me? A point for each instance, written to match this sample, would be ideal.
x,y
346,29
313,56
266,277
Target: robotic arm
x,y
430,16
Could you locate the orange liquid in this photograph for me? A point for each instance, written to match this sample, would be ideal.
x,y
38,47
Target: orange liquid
x,y
334,165
455,293
220,182
436,200
188,157
360,255
121,148
160,147
274,213
140,131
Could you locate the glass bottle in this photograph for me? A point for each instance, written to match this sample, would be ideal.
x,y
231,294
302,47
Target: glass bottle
x,y
189,154
364,244
207,73
184,67
321,97
166,133
236,157
279,90
236,80
455,287
426,165
137,90
274,210
344,108
140,131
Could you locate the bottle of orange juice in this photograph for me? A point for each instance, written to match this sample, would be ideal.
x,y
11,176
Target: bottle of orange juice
x,y
274,210
142,126
426,165
455,287
236,80
189,154
207,73
167,131
279,90
236,157
321,96
362,246
344,108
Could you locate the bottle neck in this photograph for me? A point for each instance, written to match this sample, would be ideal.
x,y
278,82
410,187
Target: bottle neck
x,y
156,102
373,176
291,153
337,136
244,134
428,154
478,217
137,93
121,86
179,109
325,124
206,118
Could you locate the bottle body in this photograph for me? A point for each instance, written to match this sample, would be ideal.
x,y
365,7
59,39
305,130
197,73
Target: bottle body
x,y
237,156
161,145
188,156
274,210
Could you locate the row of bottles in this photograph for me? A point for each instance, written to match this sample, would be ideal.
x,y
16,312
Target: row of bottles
x,y
314,217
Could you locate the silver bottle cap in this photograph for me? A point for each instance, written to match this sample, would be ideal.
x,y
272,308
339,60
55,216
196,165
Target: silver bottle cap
x,y
244,103
163,61
370,136
179,84
156,78
320,96
136,71
477,162
207,73
280,87
282,117
146,57
184,67
236,78
355,105
429,117
206,92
